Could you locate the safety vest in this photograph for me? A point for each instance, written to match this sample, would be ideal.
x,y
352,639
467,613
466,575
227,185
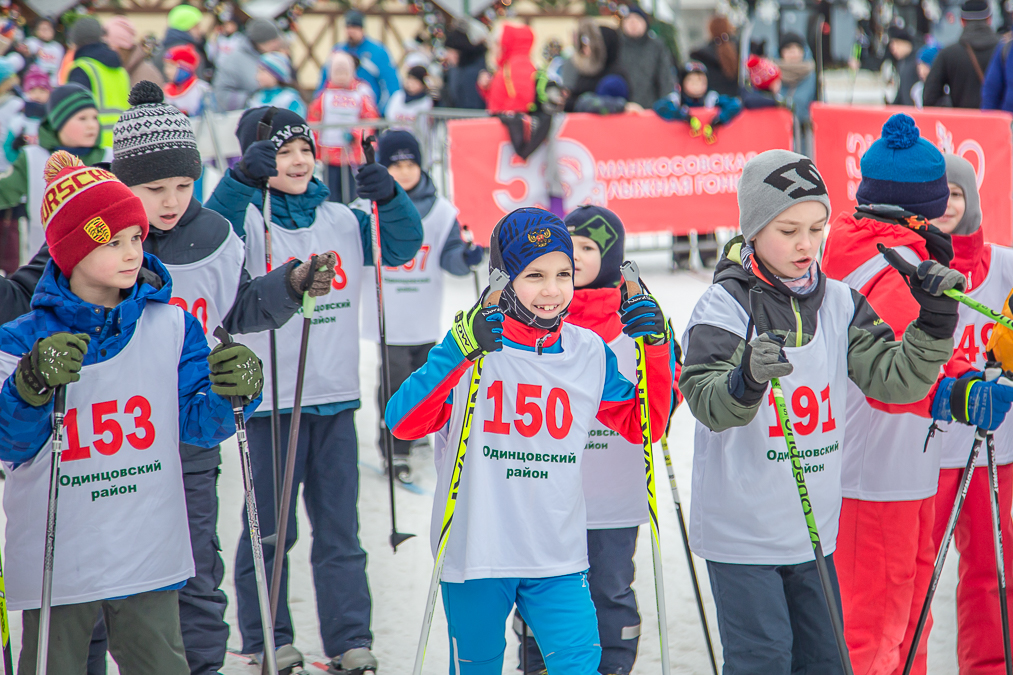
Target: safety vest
x,y
110,87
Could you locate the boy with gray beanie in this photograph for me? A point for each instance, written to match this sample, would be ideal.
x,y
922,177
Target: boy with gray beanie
x,y
746,519
891,470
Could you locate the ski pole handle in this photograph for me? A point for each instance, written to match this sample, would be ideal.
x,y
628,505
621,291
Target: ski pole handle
x,y
498,280
368,150
631,276
467,234
60,401
264,125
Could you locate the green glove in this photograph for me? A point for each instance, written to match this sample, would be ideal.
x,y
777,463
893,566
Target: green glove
x,y
235,371
479,331
53,361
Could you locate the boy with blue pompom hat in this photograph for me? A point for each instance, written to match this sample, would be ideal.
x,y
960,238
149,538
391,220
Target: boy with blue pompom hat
x,y
891,468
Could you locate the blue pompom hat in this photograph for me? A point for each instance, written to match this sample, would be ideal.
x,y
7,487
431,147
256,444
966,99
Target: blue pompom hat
x,y
526,234
905,170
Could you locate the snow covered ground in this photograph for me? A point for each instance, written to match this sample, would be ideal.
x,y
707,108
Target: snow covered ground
x,y
399,582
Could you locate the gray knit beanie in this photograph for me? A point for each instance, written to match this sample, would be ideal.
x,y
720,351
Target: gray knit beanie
x,y
960,171
771,183
260,31
85,31
153,140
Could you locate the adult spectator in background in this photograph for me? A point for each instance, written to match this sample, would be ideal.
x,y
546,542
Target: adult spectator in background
x,y
375,67
721,56
595,56
235,77
905,62
121,35
98,69
465,60
962,65
185,28
512,88
798,75
644,58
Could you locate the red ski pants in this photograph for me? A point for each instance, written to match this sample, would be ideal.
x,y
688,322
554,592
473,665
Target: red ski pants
x,y
884,563
979,628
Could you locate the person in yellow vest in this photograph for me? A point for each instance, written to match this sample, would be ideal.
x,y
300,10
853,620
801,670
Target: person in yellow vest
x,y
98,67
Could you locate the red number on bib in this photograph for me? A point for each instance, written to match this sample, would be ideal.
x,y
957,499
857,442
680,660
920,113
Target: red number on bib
x,y
410,265
526,407
179,302
142,422
200,305
101,426
810,409
986,334
340,279
967,348
831,423
74,449
558,431
496,425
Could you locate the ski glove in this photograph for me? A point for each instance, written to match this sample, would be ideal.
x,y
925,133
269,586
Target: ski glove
x,y
374,183
313,276
53,361
473,254
478,331
642,317
938,316
763,359
972,400
258,163
235,371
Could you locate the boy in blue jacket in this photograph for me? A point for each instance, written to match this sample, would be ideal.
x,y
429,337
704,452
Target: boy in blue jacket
x,y
101,325
303,222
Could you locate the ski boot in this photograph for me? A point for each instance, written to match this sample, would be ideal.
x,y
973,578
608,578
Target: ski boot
x,y
358,661
290,661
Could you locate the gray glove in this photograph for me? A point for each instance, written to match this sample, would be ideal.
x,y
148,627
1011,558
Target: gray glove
x,y
936,279
763,359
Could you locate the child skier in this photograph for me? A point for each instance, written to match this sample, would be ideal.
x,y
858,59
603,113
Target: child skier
x,y
183,88
406,104
102,311
303,223
561,378
411,333
345,100
274,75
746,519
613,469
71,124
886,547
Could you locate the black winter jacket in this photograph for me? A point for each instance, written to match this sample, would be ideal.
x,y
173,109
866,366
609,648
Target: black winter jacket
x,y
953,68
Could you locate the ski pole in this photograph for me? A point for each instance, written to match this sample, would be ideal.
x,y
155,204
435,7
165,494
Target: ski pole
x,y
386,440
689,553
309,304
469,238
253,521
993,490
896,261
634,286
59,407
497,282
762,326
5,627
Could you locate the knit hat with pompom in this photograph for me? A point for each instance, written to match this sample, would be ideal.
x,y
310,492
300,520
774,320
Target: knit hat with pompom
x,y
153,140
902,169
83,208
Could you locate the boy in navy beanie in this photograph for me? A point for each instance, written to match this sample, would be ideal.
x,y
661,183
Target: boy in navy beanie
x,y
419,283
890,470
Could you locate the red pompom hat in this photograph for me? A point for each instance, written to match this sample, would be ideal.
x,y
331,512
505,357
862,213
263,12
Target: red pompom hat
x,y
762,72
83,208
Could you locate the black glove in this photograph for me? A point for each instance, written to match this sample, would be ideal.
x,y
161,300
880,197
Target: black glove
x,y
53,361
374,183
642,317
763,359
938,316
473,254
258,164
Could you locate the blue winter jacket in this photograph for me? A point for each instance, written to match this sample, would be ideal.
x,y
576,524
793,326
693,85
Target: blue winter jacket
x,y
205,418
375,69
996,89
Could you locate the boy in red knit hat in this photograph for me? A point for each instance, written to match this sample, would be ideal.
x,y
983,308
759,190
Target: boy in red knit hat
x,y
139,380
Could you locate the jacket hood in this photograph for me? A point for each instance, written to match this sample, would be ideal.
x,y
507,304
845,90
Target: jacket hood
x,y
597,309
960,171
980,36
971,257
516,42
590,33
102,53
423,195
853,242
53,294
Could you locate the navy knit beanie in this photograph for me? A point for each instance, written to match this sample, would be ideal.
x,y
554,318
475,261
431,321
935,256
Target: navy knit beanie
x,y
902,169
614,86
524,235
285,125
398,146
605,229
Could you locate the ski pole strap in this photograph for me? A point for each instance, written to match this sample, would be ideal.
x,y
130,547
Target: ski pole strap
x,y
897,261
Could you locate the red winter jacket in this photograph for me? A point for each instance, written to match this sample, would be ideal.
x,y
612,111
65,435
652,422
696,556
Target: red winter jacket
x,y
512,88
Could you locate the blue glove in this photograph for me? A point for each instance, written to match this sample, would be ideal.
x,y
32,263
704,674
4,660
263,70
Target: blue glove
x,y
473,254
642,317
374,183
971,400
258,163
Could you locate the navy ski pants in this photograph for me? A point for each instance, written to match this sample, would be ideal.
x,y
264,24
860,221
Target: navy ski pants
x,y
327,469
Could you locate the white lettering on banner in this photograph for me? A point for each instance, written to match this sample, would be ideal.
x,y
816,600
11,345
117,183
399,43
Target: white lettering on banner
x,y
679,176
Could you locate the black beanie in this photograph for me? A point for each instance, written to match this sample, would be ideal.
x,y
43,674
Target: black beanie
x,y
398,146
153,140
285,125
604,228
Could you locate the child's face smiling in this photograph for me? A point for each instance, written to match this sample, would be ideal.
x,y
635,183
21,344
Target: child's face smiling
x,y
790,242
955,208
110,268
295,162
165,200
586,261
545,286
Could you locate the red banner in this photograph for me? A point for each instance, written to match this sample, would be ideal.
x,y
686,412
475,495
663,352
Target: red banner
x,y
842,134
652,173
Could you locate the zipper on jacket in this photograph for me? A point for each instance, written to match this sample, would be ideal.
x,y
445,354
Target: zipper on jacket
x,y
539,342
798,322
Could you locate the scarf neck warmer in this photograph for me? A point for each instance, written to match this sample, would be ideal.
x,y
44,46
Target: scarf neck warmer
x,y
514,309
803,285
